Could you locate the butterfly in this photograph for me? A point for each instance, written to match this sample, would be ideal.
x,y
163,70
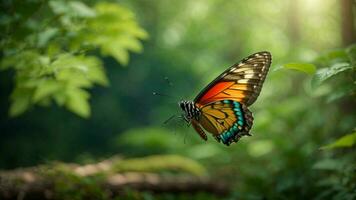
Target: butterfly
x,y
221,108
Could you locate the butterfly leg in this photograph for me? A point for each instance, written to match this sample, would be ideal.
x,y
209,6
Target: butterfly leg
x,y
186,119
217,138
189,123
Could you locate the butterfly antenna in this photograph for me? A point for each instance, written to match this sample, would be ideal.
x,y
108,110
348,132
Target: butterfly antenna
x,y
169,119
161,94
168,81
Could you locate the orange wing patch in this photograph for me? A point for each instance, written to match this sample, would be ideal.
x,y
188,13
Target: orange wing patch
x,y
215,90
225,90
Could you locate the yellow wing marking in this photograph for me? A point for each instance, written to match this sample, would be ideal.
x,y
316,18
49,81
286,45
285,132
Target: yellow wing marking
x,y
217,117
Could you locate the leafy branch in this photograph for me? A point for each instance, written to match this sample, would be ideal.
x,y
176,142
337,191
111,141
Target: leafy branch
x,y
52,50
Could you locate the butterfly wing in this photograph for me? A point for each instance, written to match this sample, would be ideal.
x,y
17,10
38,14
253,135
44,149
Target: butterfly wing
x,y
242,82
199,130
227,120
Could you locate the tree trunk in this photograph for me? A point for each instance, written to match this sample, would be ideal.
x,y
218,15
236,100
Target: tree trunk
x,y
347,22
33,183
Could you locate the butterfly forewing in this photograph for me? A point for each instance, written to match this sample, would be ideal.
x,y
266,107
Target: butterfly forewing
x,y
242,82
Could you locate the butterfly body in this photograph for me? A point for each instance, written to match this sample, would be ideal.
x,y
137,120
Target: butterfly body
x,y
221,108
190,109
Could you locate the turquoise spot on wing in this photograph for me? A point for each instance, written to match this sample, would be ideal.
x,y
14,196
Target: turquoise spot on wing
x,y
239,114
234,128
224,137
237,109
229,135
226,101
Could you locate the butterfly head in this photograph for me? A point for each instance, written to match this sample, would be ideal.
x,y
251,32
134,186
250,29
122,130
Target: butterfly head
x,y
190,110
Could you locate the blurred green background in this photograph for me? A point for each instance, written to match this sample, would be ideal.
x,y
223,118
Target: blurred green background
x,y
56,56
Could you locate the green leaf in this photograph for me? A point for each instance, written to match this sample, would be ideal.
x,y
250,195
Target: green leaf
x,y
345,141
21,101
327,164
96,72
60,97
19,106
82,10
45,36
77,102
332,57
326,73
114,31
120,54
22,60
59,7
130,43
45,89
303,67
81,71
71,8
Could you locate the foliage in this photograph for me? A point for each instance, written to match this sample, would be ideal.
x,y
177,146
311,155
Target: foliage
x,y
345,141
326,73
340,181
192,42
303,67
51,50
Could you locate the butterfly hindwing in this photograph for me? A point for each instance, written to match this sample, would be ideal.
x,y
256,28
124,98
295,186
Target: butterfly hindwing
x,y
227,120
242,82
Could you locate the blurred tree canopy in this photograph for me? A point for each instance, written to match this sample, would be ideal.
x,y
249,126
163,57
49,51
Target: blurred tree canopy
x,y
303,143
